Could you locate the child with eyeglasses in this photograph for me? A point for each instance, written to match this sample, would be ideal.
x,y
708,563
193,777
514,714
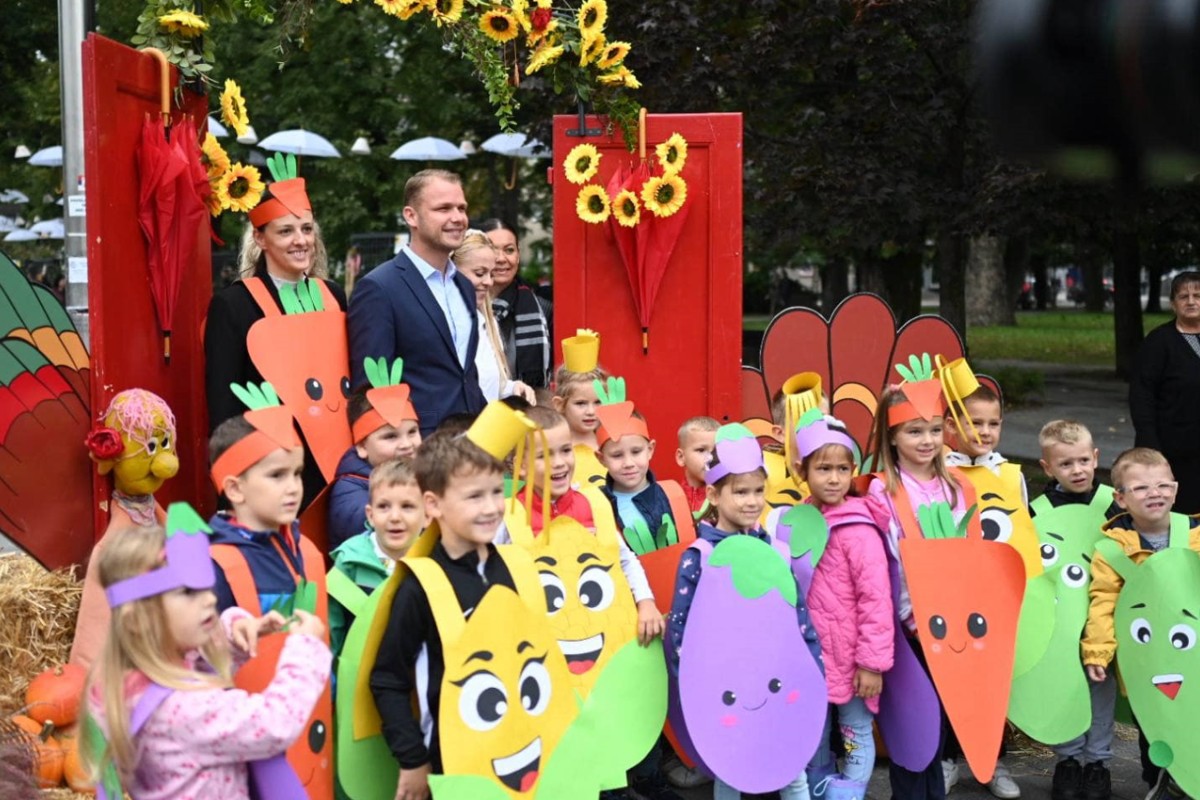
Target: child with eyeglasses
x,y
1145,488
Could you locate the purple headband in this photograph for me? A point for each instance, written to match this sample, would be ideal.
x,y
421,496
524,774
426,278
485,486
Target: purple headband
x,y
737,453
188,562
822,431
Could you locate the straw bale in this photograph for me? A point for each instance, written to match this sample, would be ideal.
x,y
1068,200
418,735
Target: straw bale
x,y
37,622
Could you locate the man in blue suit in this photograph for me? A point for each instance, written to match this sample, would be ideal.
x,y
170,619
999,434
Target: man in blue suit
x,y
418,307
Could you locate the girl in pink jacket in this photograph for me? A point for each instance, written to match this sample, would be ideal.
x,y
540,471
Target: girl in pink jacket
x,y
163,721
850,598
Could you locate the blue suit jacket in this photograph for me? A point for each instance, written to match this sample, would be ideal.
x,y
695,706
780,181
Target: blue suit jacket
x,y
393,313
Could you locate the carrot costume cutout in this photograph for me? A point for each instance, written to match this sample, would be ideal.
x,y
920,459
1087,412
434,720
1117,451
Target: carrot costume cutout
x,y
966,596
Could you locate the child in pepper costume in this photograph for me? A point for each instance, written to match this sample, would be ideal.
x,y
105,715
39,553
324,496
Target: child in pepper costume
x,y
576,399
396,513
1145,489
159,721
1069,458
384,425
136,445
696,439
758,733
850,599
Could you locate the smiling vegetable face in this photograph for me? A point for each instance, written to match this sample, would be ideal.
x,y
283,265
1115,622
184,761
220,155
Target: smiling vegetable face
x,y
1004,518
504,703
752,697
590,606
1068,535
1157,622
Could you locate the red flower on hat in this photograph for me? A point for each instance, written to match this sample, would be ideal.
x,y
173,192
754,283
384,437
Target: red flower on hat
x,y
104,443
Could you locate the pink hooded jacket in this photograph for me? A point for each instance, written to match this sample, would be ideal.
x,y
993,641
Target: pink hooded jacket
x,y
850,599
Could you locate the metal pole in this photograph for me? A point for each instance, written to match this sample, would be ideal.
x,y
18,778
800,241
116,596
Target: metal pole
x,y
72,28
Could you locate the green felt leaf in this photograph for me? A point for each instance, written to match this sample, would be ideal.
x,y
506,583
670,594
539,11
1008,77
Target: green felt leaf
x,y
610,392
809,417
397,372
304,295
254,396
282,166
289,299
667,535
809,531
698,515
306,597
905,373
637,536
756,567
373,368
182,518
732,432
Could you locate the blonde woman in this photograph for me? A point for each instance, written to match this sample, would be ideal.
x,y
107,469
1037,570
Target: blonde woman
x,y
476,258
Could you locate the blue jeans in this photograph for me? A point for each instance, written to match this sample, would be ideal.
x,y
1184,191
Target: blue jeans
x,y
854,719
796,790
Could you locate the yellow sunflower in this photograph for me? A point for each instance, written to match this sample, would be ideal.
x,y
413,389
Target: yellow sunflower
x,y
591,49
582,163
672,154
500,25
543,35
621,76
233,107
664,196
185,23
520,10
215,206
447,12
213,157
545,55
592,204
614,53
241,188
592,16
545,3
627,209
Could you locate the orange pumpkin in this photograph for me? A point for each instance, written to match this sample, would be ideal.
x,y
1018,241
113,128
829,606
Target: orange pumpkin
x,y
48,753
54,695
74,770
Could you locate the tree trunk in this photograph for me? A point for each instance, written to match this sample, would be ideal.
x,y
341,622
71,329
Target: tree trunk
x,y
1016,267
952,281
1154,274
1127,273
835,283
986,289
897,280
1044,295
1092,269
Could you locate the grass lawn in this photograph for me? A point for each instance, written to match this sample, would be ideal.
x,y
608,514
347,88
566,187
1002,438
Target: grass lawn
x,y
1064,337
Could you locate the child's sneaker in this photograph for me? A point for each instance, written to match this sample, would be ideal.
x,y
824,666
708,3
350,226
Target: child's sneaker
x,y
1068,780
950,773
1166,789
681,776
1097,783
1002,785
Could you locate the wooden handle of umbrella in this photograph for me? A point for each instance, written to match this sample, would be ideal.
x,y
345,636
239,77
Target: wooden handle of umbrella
x,y
642,134
164,81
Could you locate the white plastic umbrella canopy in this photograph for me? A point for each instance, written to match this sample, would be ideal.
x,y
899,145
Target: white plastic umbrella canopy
x,y
22,235
516,145
216,128
429,148
7,224
300,142
13,196
47,157
49,229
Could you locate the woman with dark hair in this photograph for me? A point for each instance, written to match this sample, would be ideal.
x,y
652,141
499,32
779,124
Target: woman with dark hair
x,y
283,322
1165,389
524,318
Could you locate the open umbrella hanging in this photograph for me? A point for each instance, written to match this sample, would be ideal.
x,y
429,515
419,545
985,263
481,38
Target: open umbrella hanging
x,y
172,190
47,157
216,128
49,228
428,148
21,235
301,143
515,145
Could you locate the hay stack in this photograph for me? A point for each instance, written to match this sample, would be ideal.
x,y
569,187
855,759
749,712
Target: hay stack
x,y
37,622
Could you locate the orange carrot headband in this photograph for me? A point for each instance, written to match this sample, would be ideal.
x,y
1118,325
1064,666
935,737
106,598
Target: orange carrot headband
x,y
389,398
922,392
288,195
273,430
616,413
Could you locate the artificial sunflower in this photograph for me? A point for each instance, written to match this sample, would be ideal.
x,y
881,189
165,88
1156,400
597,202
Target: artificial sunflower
x,y
241,188
500,25
592,204
627,209
672,154
233,107
520,10
581,163
185,23
447,12
664,196
213,201
213,157
614,53
621,76
591,49
545,55
540,35
592,16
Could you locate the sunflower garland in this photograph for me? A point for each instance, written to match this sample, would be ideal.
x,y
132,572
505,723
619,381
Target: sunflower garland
x,y
592,16
233,108
500,25
582,163
665,195
591,49
447,12
614,53
213,157
627,209
185,23
672,154
241,188
544,56
592,204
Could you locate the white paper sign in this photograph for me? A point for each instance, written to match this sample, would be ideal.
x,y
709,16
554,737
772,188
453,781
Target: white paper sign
x,y
77,271
77,205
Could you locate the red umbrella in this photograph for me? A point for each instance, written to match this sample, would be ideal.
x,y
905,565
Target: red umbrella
x,y
172,188
626,238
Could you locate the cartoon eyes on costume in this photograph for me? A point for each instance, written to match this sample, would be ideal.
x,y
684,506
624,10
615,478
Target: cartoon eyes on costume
x,y
316,736
483,702
1140,630
728,698
151,447
937,626
165,444
596,589
1182,636
1049,555
534,686
996,524
976,626
345,386
556,593
1074,576
314,389
774,685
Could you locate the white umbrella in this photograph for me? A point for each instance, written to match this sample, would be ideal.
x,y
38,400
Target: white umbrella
x,y
47,157
22,235
49,228
13,196
7,224
516,145
430,148
216,128
300,142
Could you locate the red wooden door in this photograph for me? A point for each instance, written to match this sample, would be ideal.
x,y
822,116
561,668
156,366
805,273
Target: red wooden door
x,y
121,86
695,343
